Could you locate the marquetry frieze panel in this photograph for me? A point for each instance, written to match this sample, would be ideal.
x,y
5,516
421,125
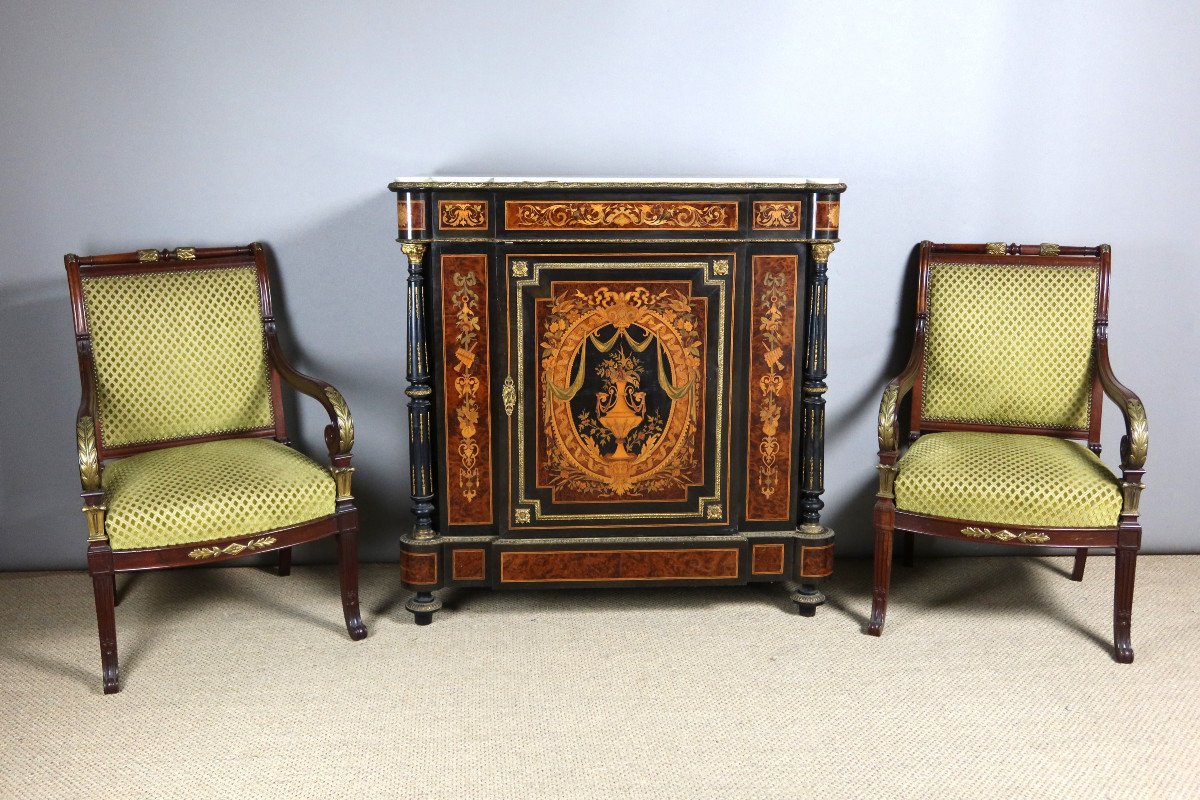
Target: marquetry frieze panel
x,y
777,215
618,565
771,386
619,215
467,407
463,215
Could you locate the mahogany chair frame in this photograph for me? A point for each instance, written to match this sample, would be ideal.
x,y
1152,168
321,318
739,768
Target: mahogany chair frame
x,y
1125,536
104,562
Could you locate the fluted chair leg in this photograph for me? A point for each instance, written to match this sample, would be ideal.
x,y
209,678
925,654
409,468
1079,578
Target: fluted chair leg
x,y
285,562
1080,563
883,575
347,542
1123,603
106,621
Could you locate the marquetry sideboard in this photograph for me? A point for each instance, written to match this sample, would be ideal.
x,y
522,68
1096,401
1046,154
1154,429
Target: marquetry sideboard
x,y
616,383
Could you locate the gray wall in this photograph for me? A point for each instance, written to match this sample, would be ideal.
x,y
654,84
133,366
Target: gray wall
x,y
140,124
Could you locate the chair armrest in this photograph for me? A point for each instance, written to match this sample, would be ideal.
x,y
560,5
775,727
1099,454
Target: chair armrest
x,y
85,427
91,488
1135,444
889,406
339,434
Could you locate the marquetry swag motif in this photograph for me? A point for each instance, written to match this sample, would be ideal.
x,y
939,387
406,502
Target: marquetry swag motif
x,y
590,414
1009,367
182,446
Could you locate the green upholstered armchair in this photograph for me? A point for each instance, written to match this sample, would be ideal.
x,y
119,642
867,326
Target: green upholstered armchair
x,y
1009,367
183,452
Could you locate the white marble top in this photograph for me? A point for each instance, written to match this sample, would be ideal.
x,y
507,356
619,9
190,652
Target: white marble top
x,y
459,182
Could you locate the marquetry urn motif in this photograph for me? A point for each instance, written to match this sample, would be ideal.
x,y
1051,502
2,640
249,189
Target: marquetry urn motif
x,y
621,380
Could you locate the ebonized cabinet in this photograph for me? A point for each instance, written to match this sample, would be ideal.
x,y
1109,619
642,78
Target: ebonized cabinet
x,y
616,383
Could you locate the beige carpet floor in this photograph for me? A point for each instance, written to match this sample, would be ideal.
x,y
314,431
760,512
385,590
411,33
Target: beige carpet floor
x,y
993,679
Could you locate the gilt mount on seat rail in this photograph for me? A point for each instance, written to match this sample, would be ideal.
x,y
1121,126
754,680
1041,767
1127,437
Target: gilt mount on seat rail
x,y
627,383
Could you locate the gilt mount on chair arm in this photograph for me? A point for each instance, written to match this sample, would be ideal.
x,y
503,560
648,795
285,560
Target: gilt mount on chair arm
x,y
616,383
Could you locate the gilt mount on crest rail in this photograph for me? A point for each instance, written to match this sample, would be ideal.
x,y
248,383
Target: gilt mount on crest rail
x,y
616,383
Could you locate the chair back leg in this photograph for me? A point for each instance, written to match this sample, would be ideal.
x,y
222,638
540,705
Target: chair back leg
x,y
909,544
285,562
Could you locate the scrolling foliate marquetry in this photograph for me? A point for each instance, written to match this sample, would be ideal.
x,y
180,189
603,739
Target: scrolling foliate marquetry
x,y
778,215
621,385
463,215
610,215
772,379
468,455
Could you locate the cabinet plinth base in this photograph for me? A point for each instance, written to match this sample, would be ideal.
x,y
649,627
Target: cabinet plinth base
x,y
617,562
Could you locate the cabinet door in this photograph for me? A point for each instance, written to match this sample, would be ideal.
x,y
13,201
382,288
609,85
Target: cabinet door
x,y
618,382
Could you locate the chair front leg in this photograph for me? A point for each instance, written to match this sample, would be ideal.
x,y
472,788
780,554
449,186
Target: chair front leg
x,y
347,544
884,528
106,621
1123,603
1080,563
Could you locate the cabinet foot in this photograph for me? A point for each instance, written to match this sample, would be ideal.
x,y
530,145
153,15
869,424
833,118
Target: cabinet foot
x,y
807,598
422,605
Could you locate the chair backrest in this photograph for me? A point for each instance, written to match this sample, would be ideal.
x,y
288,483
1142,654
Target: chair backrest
x,y
1009,338
176,345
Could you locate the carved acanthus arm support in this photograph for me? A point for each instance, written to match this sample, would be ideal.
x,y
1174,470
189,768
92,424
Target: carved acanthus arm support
x,y
889,413
339,434
85,439
1135,444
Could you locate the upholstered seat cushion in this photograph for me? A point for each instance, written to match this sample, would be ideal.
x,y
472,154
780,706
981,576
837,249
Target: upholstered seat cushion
x,y
1007,479
214,490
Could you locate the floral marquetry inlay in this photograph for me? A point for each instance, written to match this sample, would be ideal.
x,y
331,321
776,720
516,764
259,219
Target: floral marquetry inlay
x,y
772,376
547,215
465,362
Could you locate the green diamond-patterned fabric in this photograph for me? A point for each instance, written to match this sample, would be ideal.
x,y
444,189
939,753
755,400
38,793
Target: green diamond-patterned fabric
x,y
1007,479
213,490
1010,345
177,354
